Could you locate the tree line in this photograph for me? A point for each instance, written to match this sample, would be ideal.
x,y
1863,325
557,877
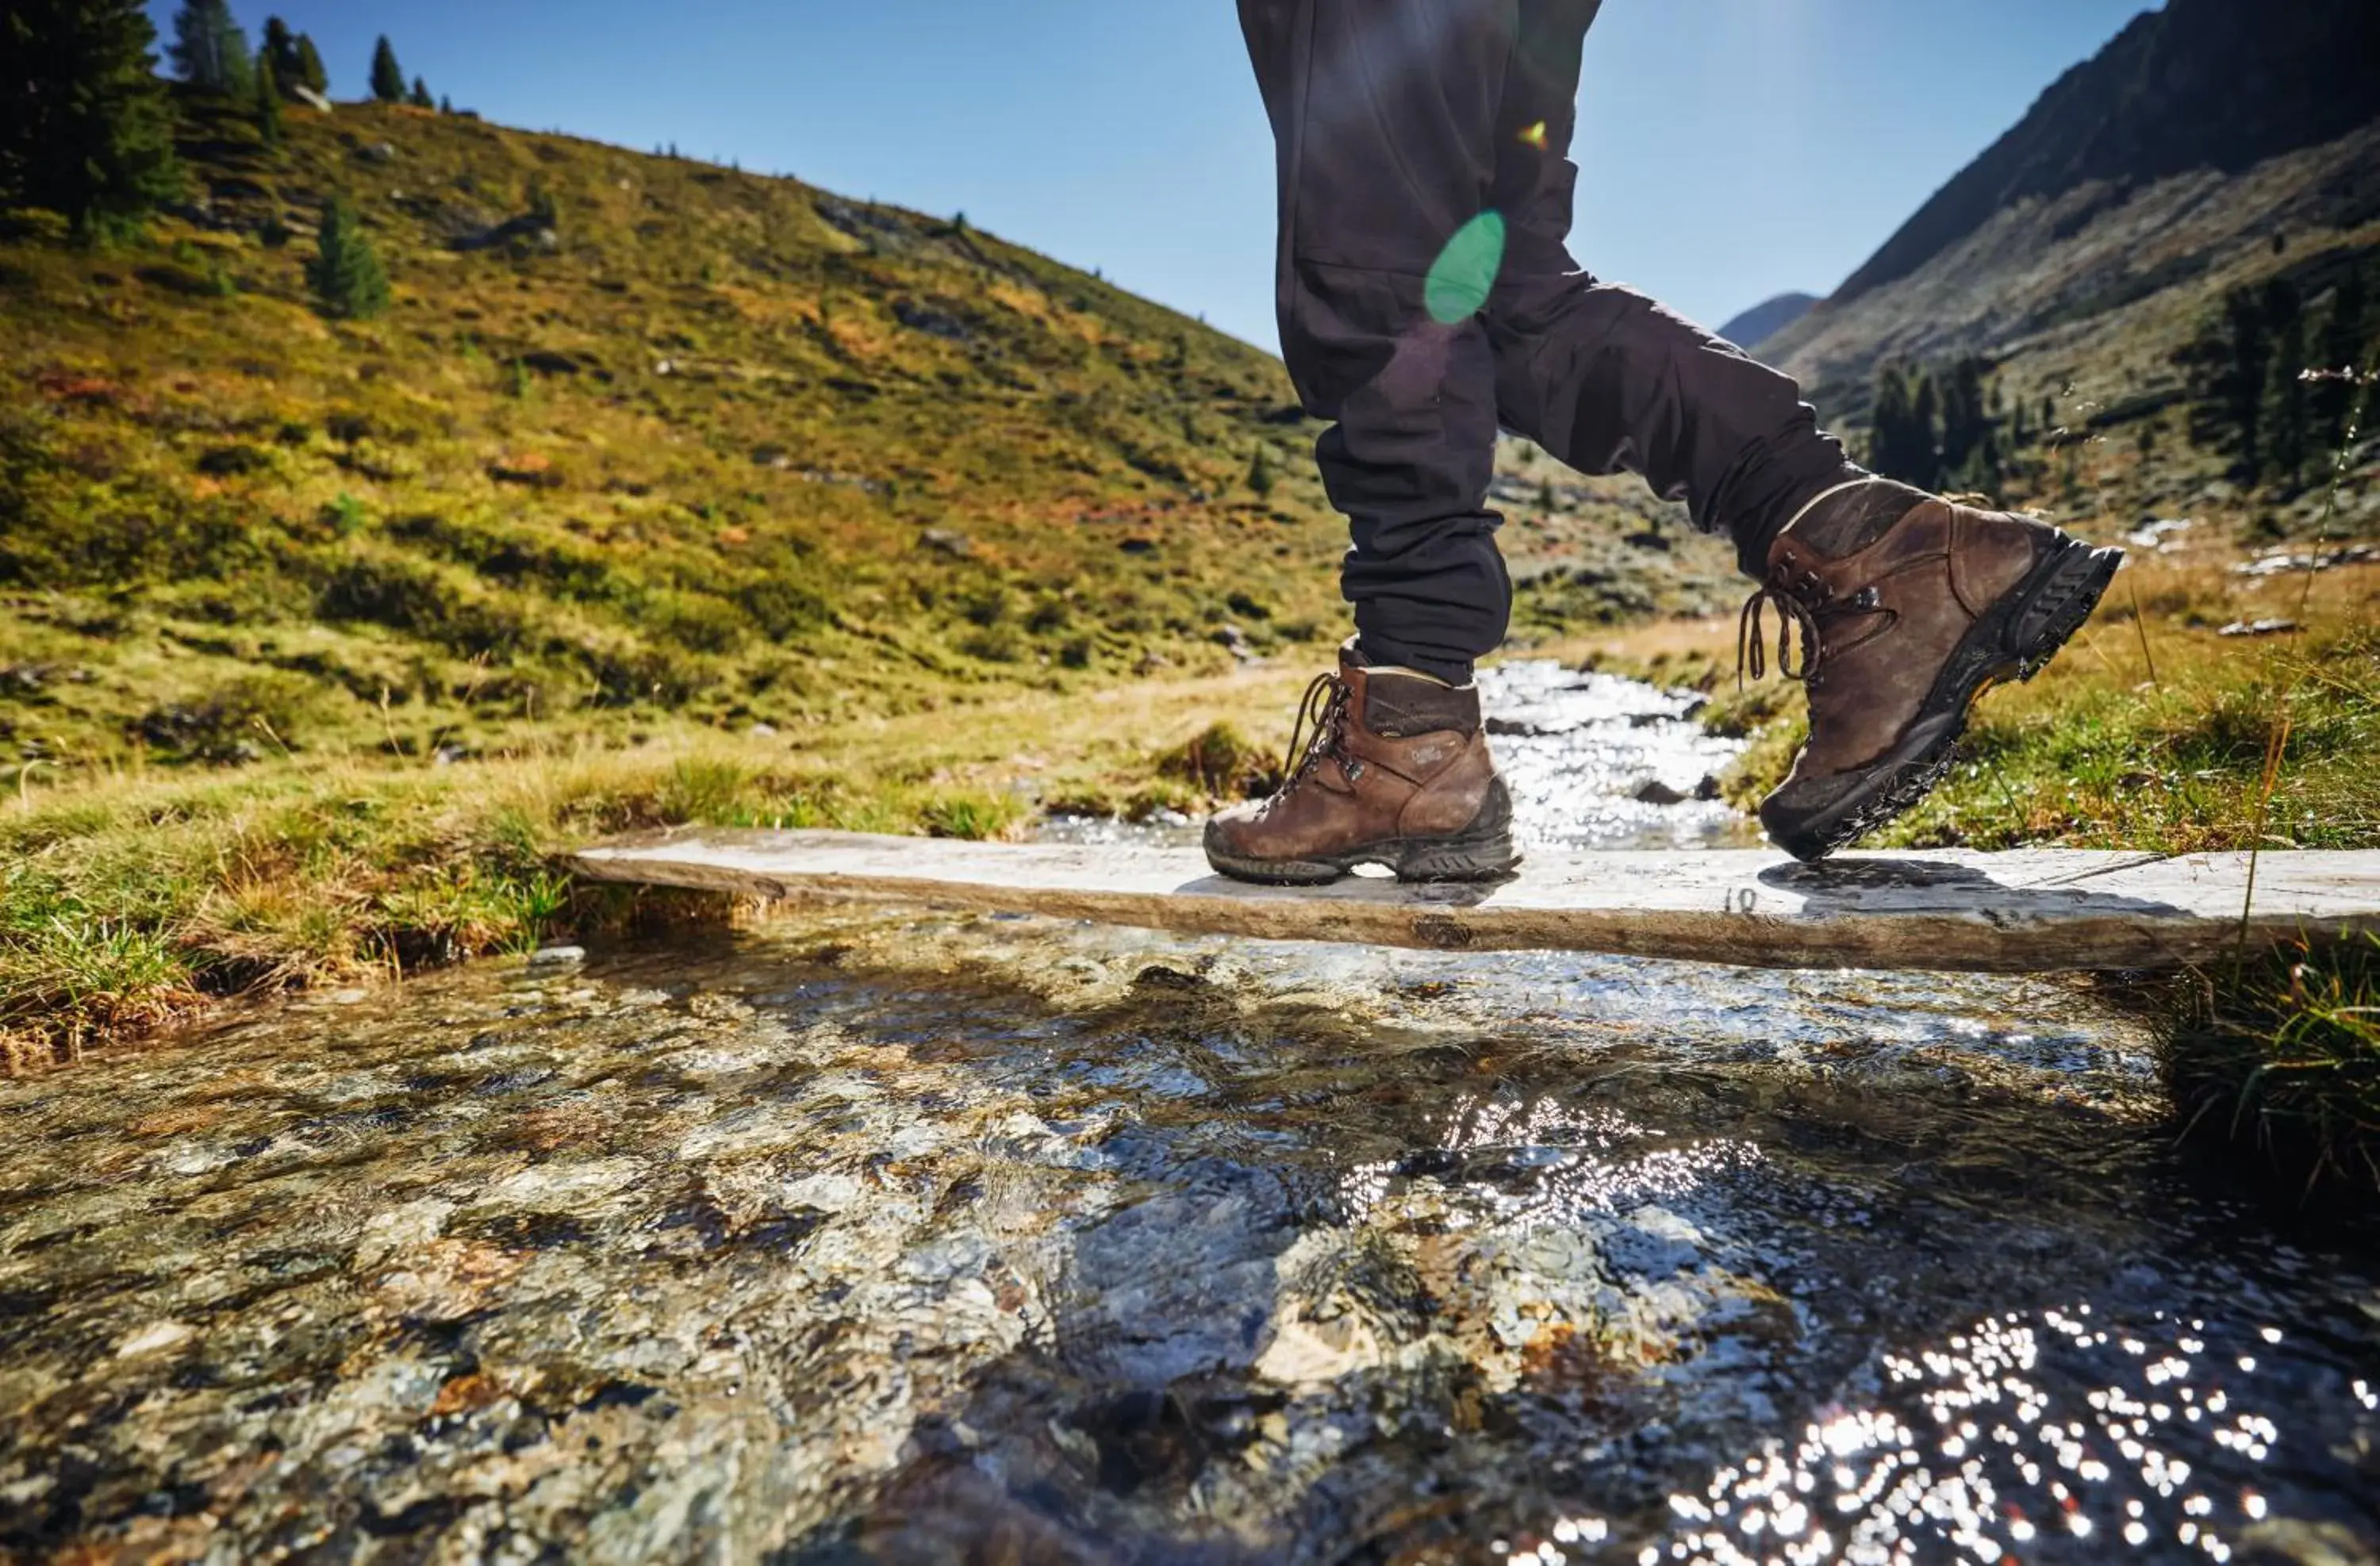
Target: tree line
x,y
2273,379
87,123
1944,427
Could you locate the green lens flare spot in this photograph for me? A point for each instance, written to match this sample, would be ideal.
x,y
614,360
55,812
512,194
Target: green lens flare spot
x,y
1465,270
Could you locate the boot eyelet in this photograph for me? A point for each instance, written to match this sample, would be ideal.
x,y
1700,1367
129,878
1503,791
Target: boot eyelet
x,y
1867,598
1353,770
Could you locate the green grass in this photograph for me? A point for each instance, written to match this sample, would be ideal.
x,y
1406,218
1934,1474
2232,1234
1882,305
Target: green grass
x,y
2281,1055
733,450
133,902
2154,732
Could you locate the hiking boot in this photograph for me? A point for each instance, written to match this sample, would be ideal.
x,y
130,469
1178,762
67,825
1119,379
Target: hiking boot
x,y
1908,607
1397,773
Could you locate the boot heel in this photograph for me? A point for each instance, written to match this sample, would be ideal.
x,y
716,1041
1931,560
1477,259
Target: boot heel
x,y
1486,859
2056,602
1482,851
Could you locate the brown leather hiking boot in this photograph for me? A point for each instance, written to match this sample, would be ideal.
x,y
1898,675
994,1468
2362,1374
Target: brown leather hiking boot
x,y
1908,607
1397,773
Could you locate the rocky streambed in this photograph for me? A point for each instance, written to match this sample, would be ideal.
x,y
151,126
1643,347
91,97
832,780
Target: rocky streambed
x,y
894,1237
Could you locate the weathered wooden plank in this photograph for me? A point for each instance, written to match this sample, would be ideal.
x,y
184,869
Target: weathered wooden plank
x,y
2035,911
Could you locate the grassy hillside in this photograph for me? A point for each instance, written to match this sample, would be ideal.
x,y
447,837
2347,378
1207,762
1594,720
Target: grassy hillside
x,y
708,442
639,438
2215,146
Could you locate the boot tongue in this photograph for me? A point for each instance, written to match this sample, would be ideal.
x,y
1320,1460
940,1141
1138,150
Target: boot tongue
x,y
1856,516
1399,704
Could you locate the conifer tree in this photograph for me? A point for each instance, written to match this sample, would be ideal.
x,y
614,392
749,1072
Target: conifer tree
x,y
2345,331
348,281
210,50
1260,475
1926,434
311,72
421,98
279,55
2285,417
86,129
268,105
1888,441
2228,365
1965,420
388,76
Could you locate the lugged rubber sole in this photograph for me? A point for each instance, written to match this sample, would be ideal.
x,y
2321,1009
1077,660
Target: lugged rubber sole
x,y
1483,851
2017,640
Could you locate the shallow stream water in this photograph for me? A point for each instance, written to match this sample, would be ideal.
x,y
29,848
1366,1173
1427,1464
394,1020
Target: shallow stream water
x,y
898,1237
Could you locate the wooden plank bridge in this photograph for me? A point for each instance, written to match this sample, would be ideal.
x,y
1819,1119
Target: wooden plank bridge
x,y
2028,912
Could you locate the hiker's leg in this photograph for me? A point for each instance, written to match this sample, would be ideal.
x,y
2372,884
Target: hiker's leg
x,y
1603,377
1386,114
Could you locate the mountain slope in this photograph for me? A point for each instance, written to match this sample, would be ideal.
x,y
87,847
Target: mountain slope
x,y
1766,319
638,433
2202,84
2093,243
639,436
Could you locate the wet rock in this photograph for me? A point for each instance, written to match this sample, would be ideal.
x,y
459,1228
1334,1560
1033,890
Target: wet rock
x,y
1159,978
1653,791
155,1337
556,956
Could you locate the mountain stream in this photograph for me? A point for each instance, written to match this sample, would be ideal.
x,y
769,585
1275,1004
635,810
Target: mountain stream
x,y
872,1236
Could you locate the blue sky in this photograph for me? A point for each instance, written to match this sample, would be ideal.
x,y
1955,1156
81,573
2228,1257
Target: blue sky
x,y
1730,148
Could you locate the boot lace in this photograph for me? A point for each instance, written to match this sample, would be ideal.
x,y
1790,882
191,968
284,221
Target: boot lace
x,y
1804,603
1325,709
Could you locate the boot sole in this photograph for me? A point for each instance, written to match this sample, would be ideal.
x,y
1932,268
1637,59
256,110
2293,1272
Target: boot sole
x,y
2016,640
1483,851
1412,859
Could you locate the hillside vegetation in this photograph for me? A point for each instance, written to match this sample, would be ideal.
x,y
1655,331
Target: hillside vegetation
x,y
2218,151
635,437
636,434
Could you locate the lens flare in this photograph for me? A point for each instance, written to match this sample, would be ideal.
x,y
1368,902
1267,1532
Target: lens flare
x,y
1465,270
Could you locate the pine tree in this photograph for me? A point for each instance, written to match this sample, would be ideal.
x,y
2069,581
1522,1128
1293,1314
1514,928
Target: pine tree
x,y
2285,412
312,75
2229,364
1926,435
210,50
388,76
1964,420
2345,331
1260,476
1889,443
445,105
421,98
279,55
86,129
268,105
348,278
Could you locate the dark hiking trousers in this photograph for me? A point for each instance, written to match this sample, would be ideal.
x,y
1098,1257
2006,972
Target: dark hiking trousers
x,y
1399,124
